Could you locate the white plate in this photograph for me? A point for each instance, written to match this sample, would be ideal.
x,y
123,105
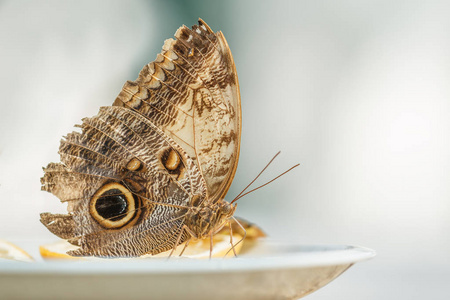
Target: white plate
x,y
268,271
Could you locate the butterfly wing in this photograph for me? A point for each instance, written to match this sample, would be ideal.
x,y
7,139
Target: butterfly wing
x,y
119,150
171,136
191,92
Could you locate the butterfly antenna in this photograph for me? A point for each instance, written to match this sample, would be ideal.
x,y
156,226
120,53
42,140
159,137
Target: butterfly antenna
x,y
237,198
273,158
242,195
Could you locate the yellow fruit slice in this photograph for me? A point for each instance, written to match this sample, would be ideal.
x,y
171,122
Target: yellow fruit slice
x,y
252,231
201,248
13,252
195,249
58,250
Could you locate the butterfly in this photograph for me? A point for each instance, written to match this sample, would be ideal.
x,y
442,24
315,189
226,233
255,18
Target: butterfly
x,y
151,171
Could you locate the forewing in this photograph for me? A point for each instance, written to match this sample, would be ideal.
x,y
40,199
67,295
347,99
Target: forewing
x,y
191,92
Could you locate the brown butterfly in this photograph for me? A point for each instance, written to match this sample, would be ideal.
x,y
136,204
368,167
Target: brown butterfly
x,y
151,171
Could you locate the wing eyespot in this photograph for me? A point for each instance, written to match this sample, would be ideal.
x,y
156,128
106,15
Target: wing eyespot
x,y
113,206
171,161
134,165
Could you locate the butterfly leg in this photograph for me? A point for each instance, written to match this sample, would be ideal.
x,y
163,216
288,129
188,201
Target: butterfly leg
x,y
242,227
231,239
193,235
211,244
190,232
177,242
243,238
185,246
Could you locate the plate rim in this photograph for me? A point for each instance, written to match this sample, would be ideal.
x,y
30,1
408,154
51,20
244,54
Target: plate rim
x,y
326,255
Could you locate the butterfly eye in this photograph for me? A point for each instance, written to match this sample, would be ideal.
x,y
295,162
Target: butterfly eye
x,y
113,206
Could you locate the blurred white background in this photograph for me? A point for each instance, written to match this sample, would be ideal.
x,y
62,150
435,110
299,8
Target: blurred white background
x,y
356,91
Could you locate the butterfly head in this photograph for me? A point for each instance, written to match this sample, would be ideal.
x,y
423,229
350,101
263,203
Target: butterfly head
x,y
205,219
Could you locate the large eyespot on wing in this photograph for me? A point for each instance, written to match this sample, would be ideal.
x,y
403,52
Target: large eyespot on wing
x,y
191,92
114,206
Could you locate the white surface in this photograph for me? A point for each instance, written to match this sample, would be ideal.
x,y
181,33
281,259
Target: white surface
x,y
267,256
269,271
